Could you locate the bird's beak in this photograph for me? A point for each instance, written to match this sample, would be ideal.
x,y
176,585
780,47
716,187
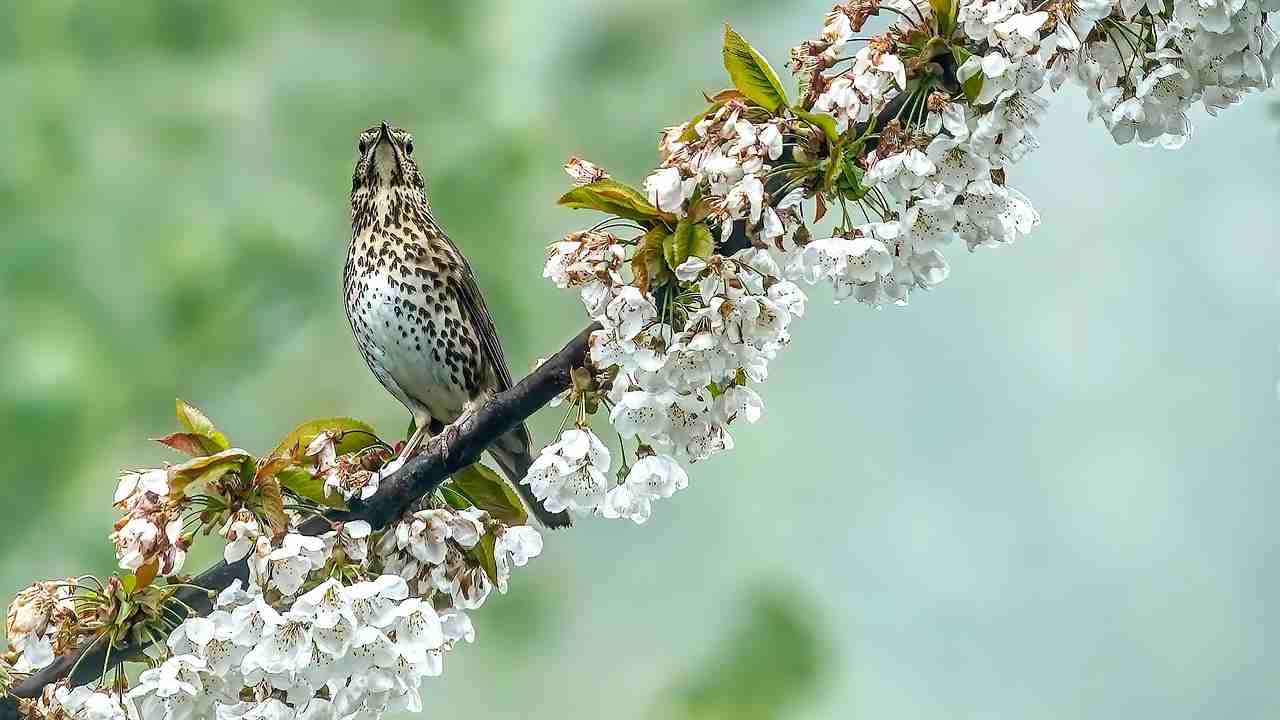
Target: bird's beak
x,y
384,136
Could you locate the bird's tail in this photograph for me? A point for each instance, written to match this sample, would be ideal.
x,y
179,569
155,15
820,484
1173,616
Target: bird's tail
x,y
513,456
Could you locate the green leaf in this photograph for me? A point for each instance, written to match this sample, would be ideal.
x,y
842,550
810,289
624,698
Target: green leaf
x,y
483,554
647,265
214,473
351,435
614,198
303,484
822,121
454,498
944,14
200,425
973,86
272,506
751,73
207,468
489,492
834,167
689,132
851,182
689,240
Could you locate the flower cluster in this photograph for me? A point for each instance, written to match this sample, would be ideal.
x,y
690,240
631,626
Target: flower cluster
x,y
340,650
37,622
150,531
696,276
344,624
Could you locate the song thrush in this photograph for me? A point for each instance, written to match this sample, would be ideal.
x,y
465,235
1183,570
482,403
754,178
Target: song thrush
x,y
417,313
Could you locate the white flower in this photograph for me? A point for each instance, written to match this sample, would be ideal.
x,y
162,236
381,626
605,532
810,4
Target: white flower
x,y
570,473
742,402
665,188
746,200
789,297
656,476
326,604
135,542
995,214
583,172
37,652
241,532
842,101
172,691
417,630
929,224
85,703
900,174
426,534
211,639
286,646
860,258
235,595
622,502
951,118
134,484
1020,33
354,539
629,311
690,269
290,563
514,547
581,490
640,413
252,620
875,69
955,162
456,626
374,602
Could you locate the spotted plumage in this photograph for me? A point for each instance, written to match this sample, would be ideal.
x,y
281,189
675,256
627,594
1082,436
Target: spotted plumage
x,y
417,314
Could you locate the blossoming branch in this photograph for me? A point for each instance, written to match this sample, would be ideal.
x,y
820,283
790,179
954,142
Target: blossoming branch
x,y
902,141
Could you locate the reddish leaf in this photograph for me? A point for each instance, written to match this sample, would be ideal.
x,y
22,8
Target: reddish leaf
x,y
189,443
145,575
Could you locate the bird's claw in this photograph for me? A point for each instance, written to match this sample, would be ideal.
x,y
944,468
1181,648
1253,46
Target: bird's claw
x,y
449,435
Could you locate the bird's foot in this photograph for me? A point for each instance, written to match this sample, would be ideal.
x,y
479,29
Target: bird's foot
x,y
449,435
411,447
392,466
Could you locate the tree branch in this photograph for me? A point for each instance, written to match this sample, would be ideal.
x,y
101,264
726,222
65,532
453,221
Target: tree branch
x,y
420,476
461,445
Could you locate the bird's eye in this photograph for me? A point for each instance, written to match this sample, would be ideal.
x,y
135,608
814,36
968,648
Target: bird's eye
x,y
408,146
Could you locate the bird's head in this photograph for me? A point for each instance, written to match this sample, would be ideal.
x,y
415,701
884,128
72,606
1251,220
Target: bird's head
x,y
385,163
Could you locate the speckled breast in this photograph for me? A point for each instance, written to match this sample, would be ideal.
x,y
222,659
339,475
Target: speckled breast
x,y
407,327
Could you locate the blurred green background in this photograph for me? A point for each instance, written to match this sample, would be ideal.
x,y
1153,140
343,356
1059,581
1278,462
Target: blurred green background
x,y
1042,491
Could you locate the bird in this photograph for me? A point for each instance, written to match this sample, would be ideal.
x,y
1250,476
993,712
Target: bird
x,y
416,310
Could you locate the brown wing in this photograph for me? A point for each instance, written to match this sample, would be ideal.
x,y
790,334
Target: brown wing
x,y
514,461
471,302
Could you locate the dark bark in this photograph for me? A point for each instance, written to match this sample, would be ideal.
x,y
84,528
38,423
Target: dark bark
x,y
459,446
